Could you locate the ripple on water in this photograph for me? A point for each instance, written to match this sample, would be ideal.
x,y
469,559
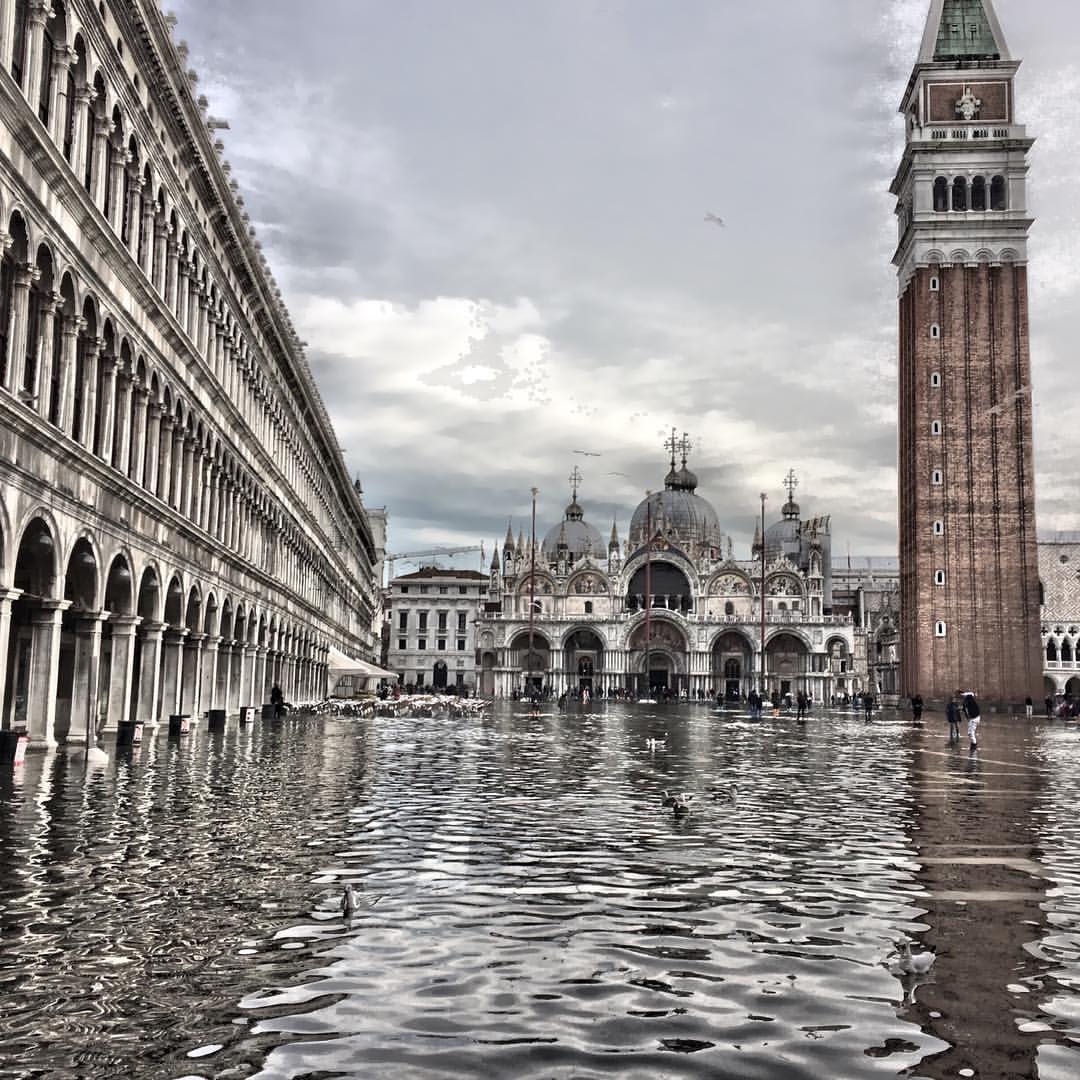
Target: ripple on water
x,y
540,915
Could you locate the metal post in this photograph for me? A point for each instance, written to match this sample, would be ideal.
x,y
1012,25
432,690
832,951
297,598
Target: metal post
x,y
532,586
648,591
764,499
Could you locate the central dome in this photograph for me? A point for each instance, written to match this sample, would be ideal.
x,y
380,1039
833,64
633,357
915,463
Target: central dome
x,y
679,512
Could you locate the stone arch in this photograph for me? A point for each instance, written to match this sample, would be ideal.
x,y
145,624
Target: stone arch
x,y
118,598
193,609
174,602
210,615
81,577
225,624
150,597
36,570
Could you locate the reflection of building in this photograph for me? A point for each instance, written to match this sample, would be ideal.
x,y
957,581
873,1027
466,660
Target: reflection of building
x,y
589,602
969,583
177,527
432,626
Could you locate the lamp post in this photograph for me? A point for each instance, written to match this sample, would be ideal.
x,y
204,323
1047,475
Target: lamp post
x,y
764,499
532,587
648,590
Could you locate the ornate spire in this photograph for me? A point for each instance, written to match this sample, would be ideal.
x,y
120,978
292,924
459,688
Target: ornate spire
x,y
791,507
495,557
756,546
521,541
614,542
508,543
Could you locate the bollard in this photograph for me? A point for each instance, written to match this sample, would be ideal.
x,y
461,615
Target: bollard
x,y
125,733
247,714
215,719
179,724
136,735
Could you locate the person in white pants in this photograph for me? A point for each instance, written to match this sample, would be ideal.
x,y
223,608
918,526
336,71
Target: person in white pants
x,y
971,711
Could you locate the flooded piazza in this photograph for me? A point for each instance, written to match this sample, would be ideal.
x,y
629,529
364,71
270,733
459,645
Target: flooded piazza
x,y
527,908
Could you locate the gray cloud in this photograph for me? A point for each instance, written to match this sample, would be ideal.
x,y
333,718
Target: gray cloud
x,y
487,218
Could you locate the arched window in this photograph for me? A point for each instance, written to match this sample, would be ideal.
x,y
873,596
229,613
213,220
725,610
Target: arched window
x,y
1051,651
1066,651
941,194
939,629
999,194
1042,594
729,608
48,48
588,607
935,331
959,193
978,193
18,52
7,295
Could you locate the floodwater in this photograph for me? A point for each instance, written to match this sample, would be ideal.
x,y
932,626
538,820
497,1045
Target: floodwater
x,y
528,909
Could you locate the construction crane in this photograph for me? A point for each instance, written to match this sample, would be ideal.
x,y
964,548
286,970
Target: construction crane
x,y
411,556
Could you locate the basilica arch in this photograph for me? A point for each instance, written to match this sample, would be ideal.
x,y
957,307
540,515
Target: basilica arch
x,y
732,664
659,658
668,584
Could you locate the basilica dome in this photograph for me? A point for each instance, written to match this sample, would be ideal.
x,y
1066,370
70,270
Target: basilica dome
x,y
576,534
679,512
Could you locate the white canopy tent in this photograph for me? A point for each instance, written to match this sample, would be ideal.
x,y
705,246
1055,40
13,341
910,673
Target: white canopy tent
x,y
362,672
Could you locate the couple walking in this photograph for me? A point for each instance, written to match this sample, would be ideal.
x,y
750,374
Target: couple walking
x,y
963,703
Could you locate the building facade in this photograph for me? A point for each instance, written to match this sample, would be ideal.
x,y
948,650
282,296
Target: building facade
x,y
432,617
672,608
969,568
177,528
1059,576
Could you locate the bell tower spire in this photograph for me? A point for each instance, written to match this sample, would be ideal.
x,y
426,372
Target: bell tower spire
x,y
968,559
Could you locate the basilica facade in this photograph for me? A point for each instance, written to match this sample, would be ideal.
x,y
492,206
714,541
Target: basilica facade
x,y
671,607
178,531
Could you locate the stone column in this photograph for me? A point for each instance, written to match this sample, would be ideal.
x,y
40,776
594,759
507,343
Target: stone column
x,y
145,246
84,696
134,209
117,164
69,344
41,387
7,598
123,662
208,690
191,674
122,443
172,670
84,96
223,675
102,132
212,505
146,708
44,664
138,440
63,58
165,457
108,407
153,445
176,485
172,267
182,289
38,14
258,690
188,475
18,326
158,263
90,380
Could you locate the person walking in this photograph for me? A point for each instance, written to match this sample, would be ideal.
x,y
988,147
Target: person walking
x,y
277,699
972,712
1029,707
868,704
952,714
800,706
917,708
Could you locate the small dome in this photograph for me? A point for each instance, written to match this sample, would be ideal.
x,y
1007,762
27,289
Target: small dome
x,y
579,537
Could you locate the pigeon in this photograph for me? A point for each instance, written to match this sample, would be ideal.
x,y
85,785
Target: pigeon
x,y
914,964
714,219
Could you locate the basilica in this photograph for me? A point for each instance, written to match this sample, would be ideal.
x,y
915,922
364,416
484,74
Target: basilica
x,y
672,608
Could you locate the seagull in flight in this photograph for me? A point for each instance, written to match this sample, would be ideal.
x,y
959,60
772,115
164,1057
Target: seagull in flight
x,y
715,219
587,453
619,474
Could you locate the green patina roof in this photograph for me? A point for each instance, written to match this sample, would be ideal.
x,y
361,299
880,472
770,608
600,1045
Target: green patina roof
x,y
965,33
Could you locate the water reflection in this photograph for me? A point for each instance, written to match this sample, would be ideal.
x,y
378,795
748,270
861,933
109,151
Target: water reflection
x,y
540,913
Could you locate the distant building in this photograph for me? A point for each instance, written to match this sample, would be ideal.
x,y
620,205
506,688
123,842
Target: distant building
x,y
432,627
1059,574
588,601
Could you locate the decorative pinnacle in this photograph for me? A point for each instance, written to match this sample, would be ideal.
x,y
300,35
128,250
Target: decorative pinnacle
x,y
673,445
685,446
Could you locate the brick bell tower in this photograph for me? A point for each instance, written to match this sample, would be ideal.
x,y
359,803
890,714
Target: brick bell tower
x,y
969,584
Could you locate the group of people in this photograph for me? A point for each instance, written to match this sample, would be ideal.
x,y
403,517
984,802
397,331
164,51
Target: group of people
x,y
962,705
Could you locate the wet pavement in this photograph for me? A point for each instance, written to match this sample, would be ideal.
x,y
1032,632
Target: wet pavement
x,y
528,909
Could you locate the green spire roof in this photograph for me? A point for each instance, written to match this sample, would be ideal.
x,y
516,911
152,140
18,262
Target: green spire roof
x,y
965,33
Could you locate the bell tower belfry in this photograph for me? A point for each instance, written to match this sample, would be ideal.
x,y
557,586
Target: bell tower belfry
x,y
968,561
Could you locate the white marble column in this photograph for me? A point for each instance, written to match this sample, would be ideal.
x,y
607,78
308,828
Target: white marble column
x,y
122,442
7,598
153,446
122,628
84,96
18,326
40,388
146,708
65,413
44,667
138,438
84,696
108,407
103,128
208,695
38,14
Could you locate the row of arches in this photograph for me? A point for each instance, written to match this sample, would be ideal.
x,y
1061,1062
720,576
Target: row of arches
x,y
729,664
77,366
977,194
114,155
90,637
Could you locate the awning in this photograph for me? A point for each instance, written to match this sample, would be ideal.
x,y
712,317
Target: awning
x,y
340,664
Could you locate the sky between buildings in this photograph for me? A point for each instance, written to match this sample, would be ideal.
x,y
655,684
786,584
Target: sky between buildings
x,y
488,220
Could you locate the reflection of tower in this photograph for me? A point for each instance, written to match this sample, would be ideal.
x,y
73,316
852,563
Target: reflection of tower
x,y
969,572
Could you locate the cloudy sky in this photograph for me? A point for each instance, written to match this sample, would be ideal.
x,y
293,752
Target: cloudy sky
x,y
487,217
